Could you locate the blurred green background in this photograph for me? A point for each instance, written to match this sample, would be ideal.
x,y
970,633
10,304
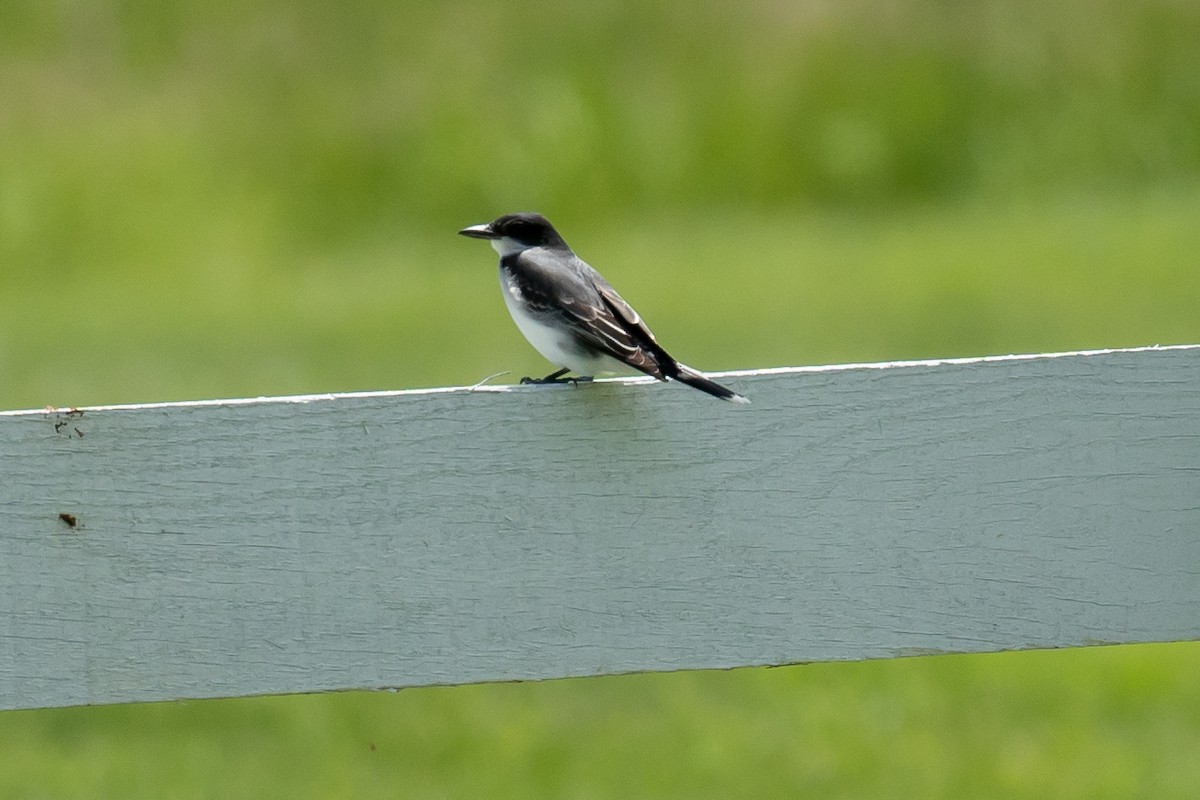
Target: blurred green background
x,y
222,199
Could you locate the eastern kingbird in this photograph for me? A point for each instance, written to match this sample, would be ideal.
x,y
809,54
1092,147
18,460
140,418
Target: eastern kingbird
x,y
570,314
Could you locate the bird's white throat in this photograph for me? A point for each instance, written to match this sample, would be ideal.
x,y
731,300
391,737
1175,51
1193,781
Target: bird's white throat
x,y
507,246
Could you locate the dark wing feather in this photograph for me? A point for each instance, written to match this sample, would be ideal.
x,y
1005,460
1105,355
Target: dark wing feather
x,y
650,357
596,315
564,286
610,324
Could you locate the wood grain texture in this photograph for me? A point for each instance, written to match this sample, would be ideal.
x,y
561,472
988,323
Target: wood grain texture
x,y
303,544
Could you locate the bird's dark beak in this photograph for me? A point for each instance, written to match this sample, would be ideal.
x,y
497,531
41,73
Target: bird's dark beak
x,y
479,232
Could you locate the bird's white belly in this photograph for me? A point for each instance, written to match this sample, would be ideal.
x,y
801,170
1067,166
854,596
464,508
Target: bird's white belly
x,y
556,346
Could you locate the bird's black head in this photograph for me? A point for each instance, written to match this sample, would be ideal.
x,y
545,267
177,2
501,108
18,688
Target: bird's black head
x,y
525,229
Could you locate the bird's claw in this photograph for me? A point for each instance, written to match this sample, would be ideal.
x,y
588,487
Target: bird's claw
x,y
542,381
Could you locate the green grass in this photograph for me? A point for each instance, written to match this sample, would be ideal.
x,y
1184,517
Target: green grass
x,y
1094,723
214,199
794,287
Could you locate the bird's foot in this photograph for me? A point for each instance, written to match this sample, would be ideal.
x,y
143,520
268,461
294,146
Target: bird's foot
x,y
557,377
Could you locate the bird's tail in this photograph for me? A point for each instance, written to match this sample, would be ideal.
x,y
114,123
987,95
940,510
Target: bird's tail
x,y
691,377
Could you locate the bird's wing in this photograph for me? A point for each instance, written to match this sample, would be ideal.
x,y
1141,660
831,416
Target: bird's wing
x,y
612,326
591,308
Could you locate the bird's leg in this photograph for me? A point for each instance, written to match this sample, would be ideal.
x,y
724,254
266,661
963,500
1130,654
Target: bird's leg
x,y
553,377
557,377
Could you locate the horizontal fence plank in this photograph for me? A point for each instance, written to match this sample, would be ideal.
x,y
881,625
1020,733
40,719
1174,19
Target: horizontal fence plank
x,y
278,545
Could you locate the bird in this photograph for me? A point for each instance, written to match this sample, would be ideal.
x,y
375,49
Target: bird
x,y
571,314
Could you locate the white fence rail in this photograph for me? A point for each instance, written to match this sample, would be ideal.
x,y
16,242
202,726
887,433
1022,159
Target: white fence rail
x,y
279,545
